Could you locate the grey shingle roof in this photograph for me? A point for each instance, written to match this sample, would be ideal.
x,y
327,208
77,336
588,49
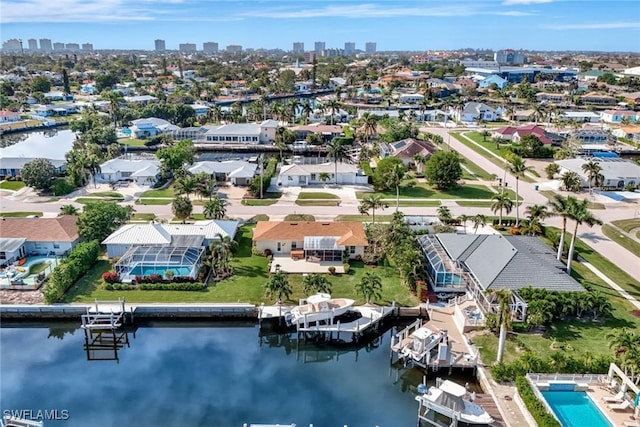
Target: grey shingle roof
x,y
512,262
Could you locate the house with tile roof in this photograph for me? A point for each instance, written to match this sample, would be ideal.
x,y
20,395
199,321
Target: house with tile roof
x,y
407,149
20,237
9,116
515,134
484,263
324,241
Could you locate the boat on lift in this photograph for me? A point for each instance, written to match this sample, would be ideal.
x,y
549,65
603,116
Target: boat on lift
x,y
318,308
448,399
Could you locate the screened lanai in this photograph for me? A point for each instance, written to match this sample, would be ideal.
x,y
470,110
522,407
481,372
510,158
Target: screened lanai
x,y
445,275
323,248
145,260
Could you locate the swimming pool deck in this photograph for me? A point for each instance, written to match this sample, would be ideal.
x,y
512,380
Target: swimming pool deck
x,y
596,393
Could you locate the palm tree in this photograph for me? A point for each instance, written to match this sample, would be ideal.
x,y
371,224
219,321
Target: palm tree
x,y
324,177
338,152
215,208
444,214
531,226
503,318
186,185
479,220
419,160
593,169
114,98
220,250
463,219
571,181
539,212
601,304
307,109
93,167
580,213
501,202
278,285
560,207
182,208
372,202
369,125
517,167
394,176
334,106
69,210
370,286
316,283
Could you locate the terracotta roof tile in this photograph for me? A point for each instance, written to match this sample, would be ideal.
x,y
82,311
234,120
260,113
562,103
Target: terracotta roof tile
x,y
350,233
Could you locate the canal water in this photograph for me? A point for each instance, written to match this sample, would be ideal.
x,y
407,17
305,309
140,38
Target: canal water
x,y
202,374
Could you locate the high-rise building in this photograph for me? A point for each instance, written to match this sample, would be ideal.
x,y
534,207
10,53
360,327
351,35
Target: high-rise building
x,y
210,47
72,46
33,44
160,45
58,46
87,46
12,45
309,56
370,47
318,47
349,48
234,48
508,57
45,45
298,47
187,47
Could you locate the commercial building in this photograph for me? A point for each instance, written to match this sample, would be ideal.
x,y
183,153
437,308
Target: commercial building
x,y
210,47
12,45
58,46
187,47
72,46
319,47
33,44
616,172
298,47
45,45
370,47
87,46
349,48
509,57
160,45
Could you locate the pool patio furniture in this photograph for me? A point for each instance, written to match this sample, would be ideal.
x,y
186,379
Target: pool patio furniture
x,y
619,406
618,398
635,423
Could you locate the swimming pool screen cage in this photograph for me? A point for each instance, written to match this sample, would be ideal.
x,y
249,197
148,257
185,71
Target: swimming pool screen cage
x,y
160,256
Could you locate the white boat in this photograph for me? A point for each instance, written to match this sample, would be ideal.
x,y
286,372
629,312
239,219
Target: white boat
x,y
423,340
448,399
318,308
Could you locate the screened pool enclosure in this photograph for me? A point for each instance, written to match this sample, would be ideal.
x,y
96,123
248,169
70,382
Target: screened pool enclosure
x,y
443,272
147,260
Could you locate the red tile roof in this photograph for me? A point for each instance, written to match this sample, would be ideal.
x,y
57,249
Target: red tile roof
x,y
60,229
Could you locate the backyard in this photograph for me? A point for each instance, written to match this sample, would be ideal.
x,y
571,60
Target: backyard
x,y
247,284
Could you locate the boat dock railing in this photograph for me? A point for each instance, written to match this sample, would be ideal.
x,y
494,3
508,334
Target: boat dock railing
x,y
399,338
426,406
107,315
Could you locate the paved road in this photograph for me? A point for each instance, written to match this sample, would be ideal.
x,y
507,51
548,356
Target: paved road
x,y
593,236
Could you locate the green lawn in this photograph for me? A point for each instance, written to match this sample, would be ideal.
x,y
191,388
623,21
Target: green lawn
x,y
624,241
268,199
143,216
299,217
627,224
113,194
497,161
166,192
132,142
247,285
582,335
317,202
424,191
364,218
414,203
477,171
14,214
154,201
85,200
308,195
11,185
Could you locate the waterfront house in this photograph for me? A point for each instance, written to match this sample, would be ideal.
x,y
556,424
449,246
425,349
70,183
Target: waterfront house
x,y
617,173
617,116
311,240
302,175
484,263
21,237
199,234
140,100
595,98
150,127
200,110
631,132
9,116
241,133
327,132
515,134
55,109
142,171
593,136
237,172
551,97
58,96
475,111
578,116
410,98
15,156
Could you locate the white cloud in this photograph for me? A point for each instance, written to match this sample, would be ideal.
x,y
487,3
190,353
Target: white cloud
x,y
524,2
593,26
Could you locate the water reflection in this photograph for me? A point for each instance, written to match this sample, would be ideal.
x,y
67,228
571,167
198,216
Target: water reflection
x,y
39,135
203,375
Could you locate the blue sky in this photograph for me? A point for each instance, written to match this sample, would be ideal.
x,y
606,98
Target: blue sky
x,y
607,25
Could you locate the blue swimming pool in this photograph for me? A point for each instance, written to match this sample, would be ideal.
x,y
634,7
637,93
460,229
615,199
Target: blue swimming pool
x,y
575,409
145,270
126,131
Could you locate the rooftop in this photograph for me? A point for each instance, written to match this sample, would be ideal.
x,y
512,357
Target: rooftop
x,y
347,233
60,229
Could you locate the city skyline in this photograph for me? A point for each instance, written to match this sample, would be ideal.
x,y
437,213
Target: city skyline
x,y
421,25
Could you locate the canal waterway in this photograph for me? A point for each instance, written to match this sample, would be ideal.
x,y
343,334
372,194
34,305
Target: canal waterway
x,y
202,374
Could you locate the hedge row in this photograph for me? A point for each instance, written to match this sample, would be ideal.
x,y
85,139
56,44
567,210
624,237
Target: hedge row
x,y
269,172
196,287
81,259
534,405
